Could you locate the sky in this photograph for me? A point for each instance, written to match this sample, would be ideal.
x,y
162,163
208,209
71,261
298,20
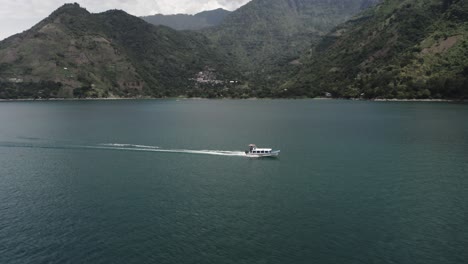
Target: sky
x,y
19,15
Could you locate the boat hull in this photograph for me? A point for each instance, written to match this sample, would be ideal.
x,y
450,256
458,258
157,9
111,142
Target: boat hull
x,y
273,154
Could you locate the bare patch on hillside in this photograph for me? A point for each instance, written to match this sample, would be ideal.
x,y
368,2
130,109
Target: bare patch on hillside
x,y
295,62
9,56
442,45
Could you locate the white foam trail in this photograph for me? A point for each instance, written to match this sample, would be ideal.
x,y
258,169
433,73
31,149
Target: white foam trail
x,y
131,147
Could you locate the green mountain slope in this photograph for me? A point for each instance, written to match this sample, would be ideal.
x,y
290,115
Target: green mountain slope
x,y
266,33
103,55
398,49
198,21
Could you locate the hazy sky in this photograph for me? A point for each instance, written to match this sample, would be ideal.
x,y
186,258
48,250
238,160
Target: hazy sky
x,y
19,15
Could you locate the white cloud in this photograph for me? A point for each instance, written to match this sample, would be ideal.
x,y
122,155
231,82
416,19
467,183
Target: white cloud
x,y
19,15
232,4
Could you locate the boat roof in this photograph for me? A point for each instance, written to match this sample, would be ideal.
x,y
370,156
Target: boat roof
x,y
259,149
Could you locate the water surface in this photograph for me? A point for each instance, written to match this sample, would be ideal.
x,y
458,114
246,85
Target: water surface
x,y
164,181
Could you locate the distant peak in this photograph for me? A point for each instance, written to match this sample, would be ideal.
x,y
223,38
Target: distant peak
x,y
215,10
70,5
116,12
71,8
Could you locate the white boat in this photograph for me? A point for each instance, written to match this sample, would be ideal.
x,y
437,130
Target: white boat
x,y
261,152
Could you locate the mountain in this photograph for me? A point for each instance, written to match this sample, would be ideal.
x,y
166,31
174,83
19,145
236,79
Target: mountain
x,y
267,48
198,21
74,53
397,49
267,33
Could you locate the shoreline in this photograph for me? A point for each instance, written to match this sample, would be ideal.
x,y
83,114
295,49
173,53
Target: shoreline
x,y
418,100
228,98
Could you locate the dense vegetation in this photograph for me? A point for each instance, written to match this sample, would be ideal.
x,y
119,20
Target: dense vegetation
x,y
266,37
111,54
198,21
398,49
30,90
267,48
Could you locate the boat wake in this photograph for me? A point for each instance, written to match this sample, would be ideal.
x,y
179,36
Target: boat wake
x,y
131,147
120,147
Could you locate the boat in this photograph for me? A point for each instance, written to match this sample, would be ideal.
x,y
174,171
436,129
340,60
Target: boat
x,y
261,152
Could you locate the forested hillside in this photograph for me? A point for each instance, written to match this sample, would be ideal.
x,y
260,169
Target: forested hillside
x,y
111,54
198,21
265,31
398,49
267,48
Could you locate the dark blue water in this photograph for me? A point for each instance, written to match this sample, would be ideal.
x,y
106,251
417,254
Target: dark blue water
x,y
163,181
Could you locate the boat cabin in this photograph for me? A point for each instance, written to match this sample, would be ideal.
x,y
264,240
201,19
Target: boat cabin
x,y
254,150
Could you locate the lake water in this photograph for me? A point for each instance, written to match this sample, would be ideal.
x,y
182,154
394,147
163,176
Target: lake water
x,y
163,181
